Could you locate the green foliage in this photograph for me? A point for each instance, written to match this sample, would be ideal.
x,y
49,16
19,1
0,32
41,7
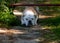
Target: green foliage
x,y
55,1
56,31
6,16
48,10
4,8
51,21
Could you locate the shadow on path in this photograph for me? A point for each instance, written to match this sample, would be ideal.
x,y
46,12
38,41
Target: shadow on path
x,y
35,34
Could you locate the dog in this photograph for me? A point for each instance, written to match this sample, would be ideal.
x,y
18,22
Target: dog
x,y
29,17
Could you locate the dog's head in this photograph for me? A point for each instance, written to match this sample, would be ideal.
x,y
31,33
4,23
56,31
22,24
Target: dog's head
x,y
29,16
29,19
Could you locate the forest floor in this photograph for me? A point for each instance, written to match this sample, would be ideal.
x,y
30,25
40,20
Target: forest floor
x,y
34,34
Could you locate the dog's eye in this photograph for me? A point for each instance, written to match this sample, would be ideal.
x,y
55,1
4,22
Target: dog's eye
x,y
32,18
26,19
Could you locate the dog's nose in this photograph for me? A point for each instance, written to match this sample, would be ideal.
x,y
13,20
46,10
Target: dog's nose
x,y
29,23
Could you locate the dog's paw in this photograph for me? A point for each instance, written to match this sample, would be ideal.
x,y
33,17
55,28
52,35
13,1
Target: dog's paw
x,y
36,24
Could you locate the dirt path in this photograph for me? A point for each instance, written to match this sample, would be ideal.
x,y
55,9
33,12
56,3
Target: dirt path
x,y
19,34
31,35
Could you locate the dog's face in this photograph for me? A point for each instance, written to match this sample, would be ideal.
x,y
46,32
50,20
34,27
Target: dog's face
x,y
29,18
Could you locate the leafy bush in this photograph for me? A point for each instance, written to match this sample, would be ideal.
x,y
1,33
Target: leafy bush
x,y
7,18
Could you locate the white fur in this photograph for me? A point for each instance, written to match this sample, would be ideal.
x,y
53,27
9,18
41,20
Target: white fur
x,y
28,14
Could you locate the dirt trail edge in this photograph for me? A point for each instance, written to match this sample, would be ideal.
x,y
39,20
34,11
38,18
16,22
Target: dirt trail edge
x,y
19,34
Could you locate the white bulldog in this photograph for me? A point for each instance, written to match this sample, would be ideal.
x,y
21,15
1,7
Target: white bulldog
x,y
29,17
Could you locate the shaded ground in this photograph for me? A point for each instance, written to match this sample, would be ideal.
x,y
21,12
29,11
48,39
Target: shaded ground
x,y
35,34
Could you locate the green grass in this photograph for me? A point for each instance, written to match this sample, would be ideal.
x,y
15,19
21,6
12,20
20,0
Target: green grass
x,y
50,21
54,25
54,33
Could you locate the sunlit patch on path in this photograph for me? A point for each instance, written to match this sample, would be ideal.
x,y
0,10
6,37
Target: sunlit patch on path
x,y
17,34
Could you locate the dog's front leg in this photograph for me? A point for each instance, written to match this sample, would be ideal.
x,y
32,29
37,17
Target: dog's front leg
x,y
33,22
26,23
